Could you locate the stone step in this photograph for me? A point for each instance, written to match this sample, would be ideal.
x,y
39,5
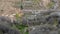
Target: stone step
x,y
30,5
25,10
27,4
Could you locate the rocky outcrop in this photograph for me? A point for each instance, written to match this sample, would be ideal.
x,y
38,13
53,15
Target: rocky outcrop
x,y
48,23
6,26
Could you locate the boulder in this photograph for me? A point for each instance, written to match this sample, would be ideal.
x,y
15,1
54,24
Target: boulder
x,y
6,26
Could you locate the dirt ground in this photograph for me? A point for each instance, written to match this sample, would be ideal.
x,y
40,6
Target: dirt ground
x,y
7,7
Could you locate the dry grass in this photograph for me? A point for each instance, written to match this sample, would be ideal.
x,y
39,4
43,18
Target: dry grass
x,y
7,7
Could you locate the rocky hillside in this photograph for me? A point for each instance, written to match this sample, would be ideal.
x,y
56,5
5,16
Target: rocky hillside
x,y
29,17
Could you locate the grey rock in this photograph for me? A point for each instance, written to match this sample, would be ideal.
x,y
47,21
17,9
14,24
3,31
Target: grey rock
x,y
6,26
8,30
43,30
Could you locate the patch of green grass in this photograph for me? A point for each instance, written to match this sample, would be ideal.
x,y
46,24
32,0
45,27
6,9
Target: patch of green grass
x,y
55,22
1,32
50,5
26,32
17,16
22,28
